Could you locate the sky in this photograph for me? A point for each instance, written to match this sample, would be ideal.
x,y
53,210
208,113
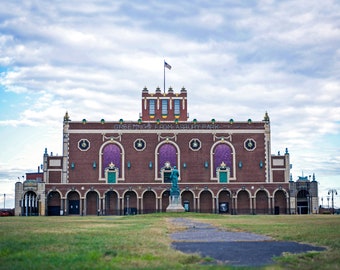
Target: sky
x,y
237,59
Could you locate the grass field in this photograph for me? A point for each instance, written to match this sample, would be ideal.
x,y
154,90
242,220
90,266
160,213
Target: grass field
x,y
143,241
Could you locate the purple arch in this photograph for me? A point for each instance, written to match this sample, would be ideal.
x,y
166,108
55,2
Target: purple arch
x,y
111,153
223,153
167,152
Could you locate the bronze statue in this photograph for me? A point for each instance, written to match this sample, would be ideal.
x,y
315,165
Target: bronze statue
x,y
174,181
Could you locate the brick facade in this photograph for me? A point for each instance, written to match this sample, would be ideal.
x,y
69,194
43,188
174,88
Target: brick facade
x,y
120,167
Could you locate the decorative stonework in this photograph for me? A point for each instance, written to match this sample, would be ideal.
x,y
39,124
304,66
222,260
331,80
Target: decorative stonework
x,y
84,145
222,138
167,138
250,144
112,138
139,145
195,144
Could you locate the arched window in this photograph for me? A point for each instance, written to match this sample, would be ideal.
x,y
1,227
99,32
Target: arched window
x,y
112,155
167,152
223,153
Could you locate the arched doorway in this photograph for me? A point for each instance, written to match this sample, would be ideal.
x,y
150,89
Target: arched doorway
x,y
73,203
188,201
280,204
243,202
224,202
302,202
206,204
149,202
130,203
111,203
165,200
30,204
92,205
261,200
53,204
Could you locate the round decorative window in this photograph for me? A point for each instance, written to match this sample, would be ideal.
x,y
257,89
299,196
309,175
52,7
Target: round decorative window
x,y
195,144
250,144
84,145
139,144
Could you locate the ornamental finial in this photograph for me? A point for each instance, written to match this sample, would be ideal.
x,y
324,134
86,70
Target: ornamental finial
x,y
266,117
67,117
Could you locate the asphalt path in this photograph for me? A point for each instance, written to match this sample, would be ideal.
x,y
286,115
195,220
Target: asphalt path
x,y
232,248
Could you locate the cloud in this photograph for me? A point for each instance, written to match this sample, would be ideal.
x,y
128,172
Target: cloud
x,y
236,59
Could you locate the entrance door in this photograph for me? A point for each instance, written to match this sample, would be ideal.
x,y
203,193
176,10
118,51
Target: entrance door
x,y
302,203
53,210
111,177
186,205
73,208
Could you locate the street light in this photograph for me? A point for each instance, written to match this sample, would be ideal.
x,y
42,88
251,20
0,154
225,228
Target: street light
x,y
127,204
328,202
332,191
4,201
308,196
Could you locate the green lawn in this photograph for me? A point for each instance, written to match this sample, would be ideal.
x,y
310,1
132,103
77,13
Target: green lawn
x,y
143,241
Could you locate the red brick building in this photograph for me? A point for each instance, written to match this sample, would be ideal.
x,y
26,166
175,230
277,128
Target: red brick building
x,y
114,168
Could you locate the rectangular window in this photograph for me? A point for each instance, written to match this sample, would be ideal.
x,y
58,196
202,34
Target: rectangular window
x,y
177,106
152,107
164,106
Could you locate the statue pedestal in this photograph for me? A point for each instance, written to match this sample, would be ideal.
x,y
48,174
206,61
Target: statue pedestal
x,y
175,204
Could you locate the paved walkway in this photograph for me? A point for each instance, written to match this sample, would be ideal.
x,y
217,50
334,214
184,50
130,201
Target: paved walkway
x,y
232,248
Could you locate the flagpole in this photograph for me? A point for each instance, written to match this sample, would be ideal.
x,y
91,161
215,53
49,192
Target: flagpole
x,y
164,75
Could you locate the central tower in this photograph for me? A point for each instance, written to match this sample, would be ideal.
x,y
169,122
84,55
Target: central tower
x,y
164,107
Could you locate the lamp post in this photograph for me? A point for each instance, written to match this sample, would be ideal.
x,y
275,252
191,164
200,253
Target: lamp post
x,y
127,204
328,202
4,201
308,196
332,191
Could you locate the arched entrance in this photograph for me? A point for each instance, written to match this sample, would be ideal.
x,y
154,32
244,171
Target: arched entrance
x,y
92,205
111,203
30,204
73,203
188,201
224,202
261,200
243,202
53,204
302,202
280,204
206,204
149,202
130,203
165,200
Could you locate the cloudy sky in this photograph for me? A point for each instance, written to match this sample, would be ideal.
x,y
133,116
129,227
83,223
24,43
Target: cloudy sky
x,y
237,59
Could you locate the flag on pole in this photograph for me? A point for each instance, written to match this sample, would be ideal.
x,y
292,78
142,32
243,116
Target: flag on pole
x,y
167,65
